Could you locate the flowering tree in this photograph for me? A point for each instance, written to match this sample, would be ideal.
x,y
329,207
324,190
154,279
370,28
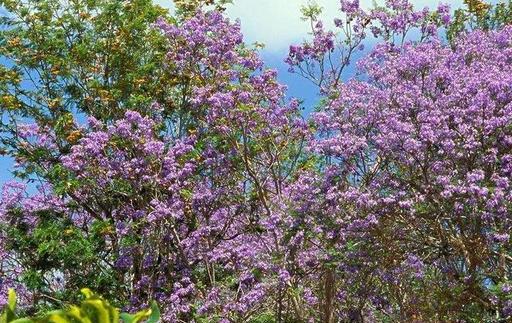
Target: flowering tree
x,y
61,61
183,174
411,204
168,202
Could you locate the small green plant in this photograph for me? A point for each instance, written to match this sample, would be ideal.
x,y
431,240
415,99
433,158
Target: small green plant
x,y
93,309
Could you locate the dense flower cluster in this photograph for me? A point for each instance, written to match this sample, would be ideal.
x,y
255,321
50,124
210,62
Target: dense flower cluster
x,y
421,150
179,197
323,59
224,205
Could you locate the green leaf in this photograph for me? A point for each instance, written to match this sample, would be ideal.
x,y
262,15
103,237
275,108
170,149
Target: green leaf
x,y
11,302
23,320
155,313
127,318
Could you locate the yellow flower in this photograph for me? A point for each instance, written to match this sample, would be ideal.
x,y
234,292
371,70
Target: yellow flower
x,y
14,42
84,15
10,102
477,7
15,77
55,70
107,230
74,136
54,103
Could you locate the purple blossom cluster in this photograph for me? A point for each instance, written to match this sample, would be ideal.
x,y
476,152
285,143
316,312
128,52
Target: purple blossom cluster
x,y
323,59
228,206
418,158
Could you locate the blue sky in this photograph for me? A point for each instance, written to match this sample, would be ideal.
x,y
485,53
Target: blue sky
x,y
277,24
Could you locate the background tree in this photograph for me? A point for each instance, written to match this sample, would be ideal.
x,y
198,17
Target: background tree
x,y
61,62
479,14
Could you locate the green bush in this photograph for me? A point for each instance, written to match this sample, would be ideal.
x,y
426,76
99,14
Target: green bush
x,y
93,309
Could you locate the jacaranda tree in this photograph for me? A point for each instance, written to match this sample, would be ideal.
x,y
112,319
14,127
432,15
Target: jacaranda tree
x,y
408,215
160,159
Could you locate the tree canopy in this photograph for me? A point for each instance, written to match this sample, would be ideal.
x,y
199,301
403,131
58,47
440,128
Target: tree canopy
x,y
159,159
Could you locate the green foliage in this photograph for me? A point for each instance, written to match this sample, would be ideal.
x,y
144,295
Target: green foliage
x,y
94,57
478,14
56,244
97,57
93,309
267,317
189,7
311,11
60,60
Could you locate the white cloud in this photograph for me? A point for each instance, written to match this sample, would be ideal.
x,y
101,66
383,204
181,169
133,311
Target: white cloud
x,y
277,23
